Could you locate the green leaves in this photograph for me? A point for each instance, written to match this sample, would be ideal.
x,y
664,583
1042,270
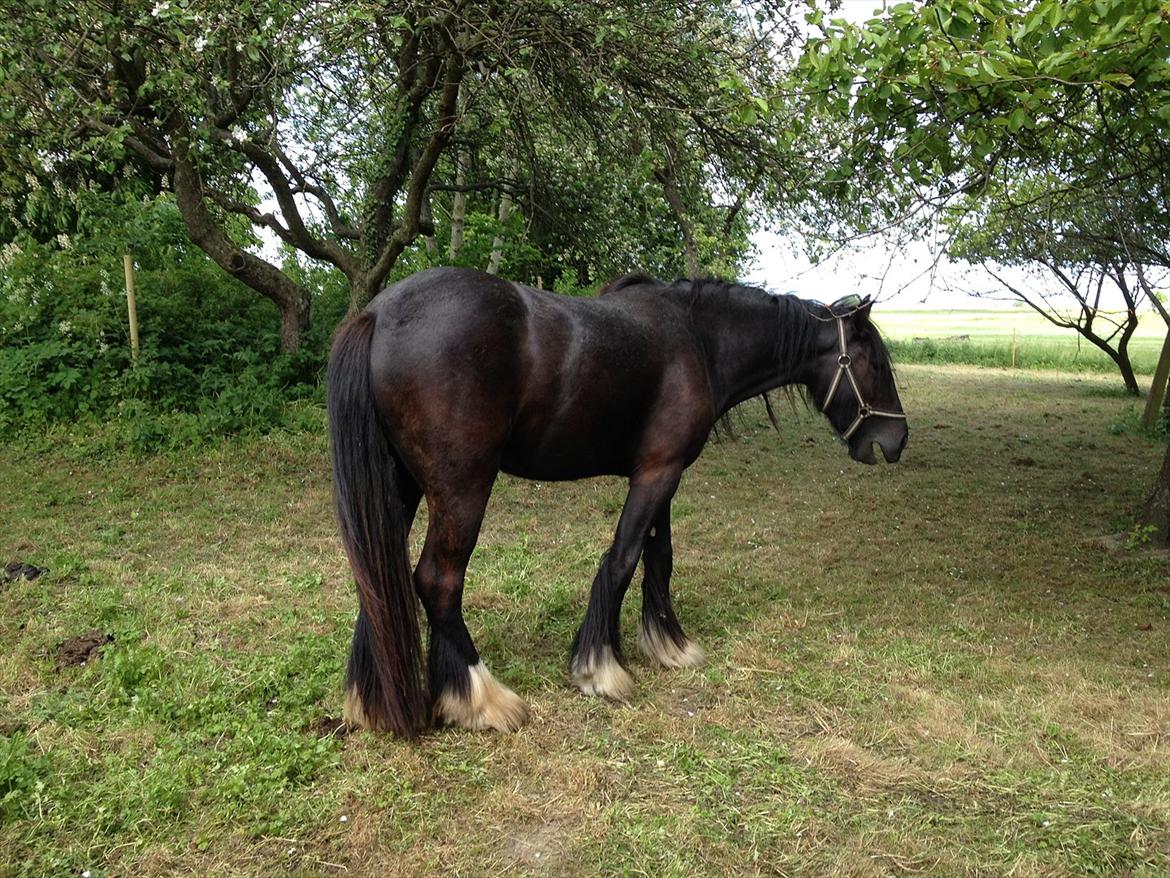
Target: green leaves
x,y
960,87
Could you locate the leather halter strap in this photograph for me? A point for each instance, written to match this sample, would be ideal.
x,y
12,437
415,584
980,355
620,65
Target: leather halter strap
x,y
845,367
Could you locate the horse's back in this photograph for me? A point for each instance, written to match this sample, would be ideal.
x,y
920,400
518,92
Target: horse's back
x,y
555,386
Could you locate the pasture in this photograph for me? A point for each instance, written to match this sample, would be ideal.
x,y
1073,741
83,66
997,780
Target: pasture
x,y
984,336
951,666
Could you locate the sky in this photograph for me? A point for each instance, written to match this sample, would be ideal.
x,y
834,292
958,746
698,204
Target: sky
x,y
907,277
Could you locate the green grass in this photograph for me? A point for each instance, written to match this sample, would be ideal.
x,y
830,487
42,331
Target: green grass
x,y
983,337
938,668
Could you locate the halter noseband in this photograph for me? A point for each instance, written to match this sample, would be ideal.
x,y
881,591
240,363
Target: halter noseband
x,y
845,367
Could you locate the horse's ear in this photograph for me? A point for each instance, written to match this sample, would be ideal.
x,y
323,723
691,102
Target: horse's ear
x,y
862,312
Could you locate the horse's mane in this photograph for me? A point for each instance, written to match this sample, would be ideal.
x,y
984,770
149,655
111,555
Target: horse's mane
x,y
633,279
796,323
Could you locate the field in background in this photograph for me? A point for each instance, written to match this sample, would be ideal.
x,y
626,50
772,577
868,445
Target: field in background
x,y
938,668
936,336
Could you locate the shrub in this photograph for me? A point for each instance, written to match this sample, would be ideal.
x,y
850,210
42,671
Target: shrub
x,y
210,362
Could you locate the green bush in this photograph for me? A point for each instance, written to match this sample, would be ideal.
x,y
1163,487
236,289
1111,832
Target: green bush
x,y
210,362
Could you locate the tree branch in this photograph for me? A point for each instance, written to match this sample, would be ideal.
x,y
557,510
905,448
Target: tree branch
x,y
420,176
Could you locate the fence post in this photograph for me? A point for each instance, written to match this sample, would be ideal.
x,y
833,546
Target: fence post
x,y
1157,387
131,305
1013,347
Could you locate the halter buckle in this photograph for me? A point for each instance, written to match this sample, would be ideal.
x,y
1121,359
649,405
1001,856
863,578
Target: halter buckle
x,y
844,360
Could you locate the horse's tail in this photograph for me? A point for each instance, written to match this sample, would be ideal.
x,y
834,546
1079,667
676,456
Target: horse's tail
x,y
384,688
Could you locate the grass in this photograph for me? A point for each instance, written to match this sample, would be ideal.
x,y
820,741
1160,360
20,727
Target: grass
x,y
984,337
938,668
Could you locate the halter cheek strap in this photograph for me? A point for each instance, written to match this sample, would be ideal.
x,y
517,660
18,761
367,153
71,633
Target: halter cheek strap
x,y
845,367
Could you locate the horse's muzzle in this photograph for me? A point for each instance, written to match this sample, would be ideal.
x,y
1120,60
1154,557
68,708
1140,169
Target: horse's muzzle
x,y
889,435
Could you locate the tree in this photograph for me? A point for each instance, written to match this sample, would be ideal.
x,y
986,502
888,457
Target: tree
x,y
325,124
942,107
1074,253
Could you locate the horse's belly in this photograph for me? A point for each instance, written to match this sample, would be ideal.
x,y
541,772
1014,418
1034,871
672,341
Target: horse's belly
x,y
559,456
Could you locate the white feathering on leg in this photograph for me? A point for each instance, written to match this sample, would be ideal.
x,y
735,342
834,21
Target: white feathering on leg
x,y
352,711
600,673
488,705
660,647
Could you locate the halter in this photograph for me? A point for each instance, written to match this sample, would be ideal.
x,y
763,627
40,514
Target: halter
x,y
845,367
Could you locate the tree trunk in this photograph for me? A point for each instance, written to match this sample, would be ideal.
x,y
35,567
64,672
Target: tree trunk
x,y
498,241
291,299
1119,355
1155,511
427,220
1127,375
666,177
294,319
1159,398
458,207
359,292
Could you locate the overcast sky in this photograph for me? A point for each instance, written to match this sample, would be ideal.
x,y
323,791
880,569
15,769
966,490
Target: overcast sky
x,y
905,277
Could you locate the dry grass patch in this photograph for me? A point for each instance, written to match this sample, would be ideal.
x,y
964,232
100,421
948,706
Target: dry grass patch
x,y
934,668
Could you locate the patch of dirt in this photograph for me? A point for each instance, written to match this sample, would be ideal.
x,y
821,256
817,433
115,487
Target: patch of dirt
x,y
689,702
19,570
1123,542
1023,461
330,727
541,847
84,648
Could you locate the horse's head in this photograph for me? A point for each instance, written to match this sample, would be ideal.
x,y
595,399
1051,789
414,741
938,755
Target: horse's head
x,y
852,381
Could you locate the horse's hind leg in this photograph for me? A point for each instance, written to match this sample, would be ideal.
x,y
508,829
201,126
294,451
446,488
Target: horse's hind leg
x,y
596,664
463,691
661,637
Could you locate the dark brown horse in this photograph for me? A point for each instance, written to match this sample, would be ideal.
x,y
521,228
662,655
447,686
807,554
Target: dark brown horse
x,y
451,375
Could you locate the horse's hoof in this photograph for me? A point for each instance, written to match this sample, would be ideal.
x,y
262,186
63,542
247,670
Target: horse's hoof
x,y
488,704
600,673
660,647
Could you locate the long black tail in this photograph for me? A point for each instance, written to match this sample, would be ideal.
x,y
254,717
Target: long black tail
x,y
385,668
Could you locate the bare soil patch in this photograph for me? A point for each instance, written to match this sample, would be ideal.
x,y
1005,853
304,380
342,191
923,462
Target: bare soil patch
x,y
83,648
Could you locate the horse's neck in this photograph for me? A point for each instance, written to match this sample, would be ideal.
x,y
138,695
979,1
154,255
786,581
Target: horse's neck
x,y
739,341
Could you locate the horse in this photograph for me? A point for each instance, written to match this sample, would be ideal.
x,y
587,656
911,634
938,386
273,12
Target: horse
x,y
451,376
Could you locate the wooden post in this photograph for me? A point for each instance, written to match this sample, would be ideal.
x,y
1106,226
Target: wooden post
x,y
131,305
1158,387
1013,347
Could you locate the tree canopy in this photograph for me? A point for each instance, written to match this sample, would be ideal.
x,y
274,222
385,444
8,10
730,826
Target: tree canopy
x,y
333,126
949,97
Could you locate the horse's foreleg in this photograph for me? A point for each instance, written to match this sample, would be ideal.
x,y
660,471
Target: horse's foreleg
x,y
661,637
596,663
463,690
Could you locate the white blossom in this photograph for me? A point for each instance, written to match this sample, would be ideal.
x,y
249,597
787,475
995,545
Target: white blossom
x,y
8,253
200,43
160,8
63,241
65,327
237,134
